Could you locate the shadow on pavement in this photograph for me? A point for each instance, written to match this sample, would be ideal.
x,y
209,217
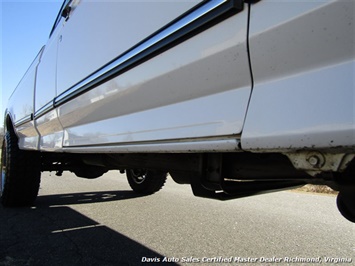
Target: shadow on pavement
x,y
50,234
85,198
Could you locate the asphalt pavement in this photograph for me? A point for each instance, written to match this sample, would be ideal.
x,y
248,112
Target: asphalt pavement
x,y
102,222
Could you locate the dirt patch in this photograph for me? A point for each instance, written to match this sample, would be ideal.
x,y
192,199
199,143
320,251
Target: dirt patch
x,y
317,189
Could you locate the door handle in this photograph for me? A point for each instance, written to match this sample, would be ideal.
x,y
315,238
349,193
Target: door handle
x,y
66,11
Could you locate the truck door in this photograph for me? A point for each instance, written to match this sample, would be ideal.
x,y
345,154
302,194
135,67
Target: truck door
x,y
96,32
46,119
198,88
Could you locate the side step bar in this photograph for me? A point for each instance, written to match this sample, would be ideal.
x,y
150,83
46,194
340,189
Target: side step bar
x,y
227,176
232,190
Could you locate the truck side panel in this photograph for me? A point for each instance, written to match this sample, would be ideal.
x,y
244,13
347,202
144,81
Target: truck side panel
x,y
97,32
303,65
21,107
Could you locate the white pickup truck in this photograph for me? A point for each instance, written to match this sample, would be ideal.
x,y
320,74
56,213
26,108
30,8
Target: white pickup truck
x,y
234,97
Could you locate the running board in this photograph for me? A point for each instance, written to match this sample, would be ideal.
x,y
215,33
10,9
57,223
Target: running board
x,y
233,190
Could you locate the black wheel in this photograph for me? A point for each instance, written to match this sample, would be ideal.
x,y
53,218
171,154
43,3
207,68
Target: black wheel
x,y
145,181
20,173
346,204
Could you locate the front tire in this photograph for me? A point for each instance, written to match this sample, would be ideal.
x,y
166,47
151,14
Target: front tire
x,y
145,182
346,204
20,173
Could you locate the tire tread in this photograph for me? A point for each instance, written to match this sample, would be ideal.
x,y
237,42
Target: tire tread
x,y
23,174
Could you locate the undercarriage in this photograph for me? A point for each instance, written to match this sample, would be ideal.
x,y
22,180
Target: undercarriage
x,y
220,176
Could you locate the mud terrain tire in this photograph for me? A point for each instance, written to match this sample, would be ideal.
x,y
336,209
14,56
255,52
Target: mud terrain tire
x,y
145,182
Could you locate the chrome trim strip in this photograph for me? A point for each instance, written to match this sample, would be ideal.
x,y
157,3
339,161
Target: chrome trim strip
x,y
22,121
162,39
203,145
44,109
